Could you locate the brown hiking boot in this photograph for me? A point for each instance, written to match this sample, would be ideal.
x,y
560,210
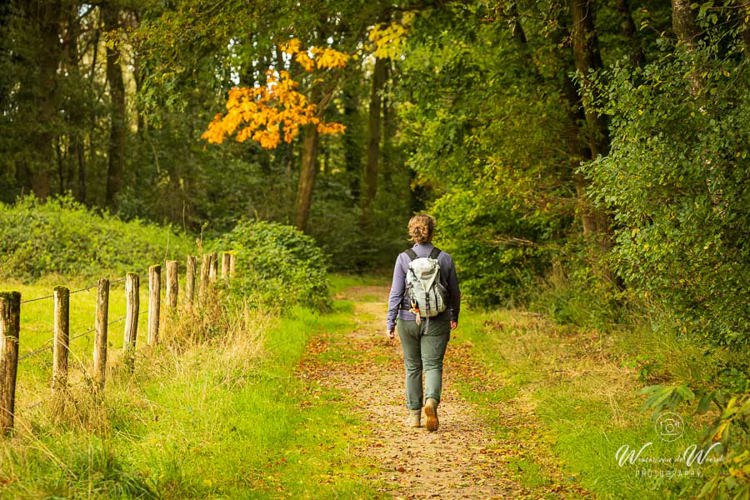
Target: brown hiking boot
x,y
430,411
415,418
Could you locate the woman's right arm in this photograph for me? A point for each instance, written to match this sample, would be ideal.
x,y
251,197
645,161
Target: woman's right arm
x,y
396,296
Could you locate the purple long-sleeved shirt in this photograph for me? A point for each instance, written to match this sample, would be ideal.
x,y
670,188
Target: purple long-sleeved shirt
x,y
398,303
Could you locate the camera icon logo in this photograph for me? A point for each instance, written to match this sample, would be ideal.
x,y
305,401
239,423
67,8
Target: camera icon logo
x,y
669,426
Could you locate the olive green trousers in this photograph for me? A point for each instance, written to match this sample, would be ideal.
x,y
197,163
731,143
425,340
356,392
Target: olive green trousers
x,y
424,348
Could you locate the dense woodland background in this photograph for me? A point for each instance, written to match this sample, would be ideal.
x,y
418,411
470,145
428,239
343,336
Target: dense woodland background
x,y
601,145
587,159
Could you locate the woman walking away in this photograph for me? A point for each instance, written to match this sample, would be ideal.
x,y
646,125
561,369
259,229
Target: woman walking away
x,y
426,301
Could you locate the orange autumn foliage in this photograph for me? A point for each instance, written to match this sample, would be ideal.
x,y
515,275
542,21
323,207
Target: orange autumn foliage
x,y
276,111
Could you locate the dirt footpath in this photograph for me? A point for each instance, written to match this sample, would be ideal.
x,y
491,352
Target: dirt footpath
x,y
457,461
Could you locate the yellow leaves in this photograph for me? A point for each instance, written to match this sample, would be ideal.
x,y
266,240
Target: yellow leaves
x,y
315,57
305,61
331,128
291,47
389,39
275,111
326,58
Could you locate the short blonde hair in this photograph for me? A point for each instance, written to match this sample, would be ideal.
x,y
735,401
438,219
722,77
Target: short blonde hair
x,y
421,228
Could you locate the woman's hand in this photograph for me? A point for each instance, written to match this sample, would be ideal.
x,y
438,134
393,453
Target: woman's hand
x,y
454,325
391,334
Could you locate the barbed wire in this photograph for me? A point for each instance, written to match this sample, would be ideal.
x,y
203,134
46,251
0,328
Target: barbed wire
x,y
31,406
37,351
73,359
36,299
48,344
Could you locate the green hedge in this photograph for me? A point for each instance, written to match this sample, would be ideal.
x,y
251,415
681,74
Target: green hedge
x,y
277,265
495,247
61,236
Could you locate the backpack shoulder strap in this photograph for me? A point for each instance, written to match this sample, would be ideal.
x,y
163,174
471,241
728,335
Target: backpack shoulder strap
x,y
411,253
435,252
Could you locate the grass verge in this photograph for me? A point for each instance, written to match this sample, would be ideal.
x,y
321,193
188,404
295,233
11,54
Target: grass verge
x,y
571,398
228,416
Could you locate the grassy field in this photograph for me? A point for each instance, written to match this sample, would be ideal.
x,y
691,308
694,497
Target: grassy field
x,y
225,417
35,365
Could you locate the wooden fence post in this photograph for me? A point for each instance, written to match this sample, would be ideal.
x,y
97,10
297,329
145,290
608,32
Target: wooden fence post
x,y
100,341
10,319
226,260
232,262
190,280
60,347
205,272
132,305
154,299
214,268
173,285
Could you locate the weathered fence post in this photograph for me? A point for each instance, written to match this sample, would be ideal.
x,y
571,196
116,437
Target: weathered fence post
x,y
172,284
60,348
190,280
232,262
100,341
214,268
154,299
10,319
226,261
132,305
205,272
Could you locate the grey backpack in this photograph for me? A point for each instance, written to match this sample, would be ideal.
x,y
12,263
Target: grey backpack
x,y
427,295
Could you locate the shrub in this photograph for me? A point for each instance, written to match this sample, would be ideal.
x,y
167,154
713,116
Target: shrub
x,y
497,250
676,179
61,236
277,265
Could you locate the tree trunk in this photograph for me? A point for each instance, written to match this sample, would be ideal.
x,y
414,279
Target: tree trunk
x,y
370,179
637,58
596,222
389,129
77,118
43,92
683,24
307,176
579,152
352,158
5,85
117,131
587,59
516,29
49,62
686,31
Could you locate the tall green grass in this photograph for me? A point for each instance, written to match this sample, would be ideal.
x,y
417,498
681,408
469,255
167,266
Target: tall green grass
x,y
226,417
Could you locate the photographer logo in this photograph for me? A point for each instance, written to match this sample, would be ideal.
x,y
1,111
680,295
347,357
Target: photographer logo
x,y
669,426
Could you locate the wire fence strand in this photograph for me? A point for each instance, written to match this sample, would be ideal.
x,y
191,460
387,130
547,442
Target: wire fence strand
x,y
36,299
37,351
48,344
31,406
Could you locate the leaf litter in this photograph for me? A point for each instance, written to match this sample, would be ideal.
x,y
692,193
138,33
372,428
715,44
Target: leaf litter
x,y
464,458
